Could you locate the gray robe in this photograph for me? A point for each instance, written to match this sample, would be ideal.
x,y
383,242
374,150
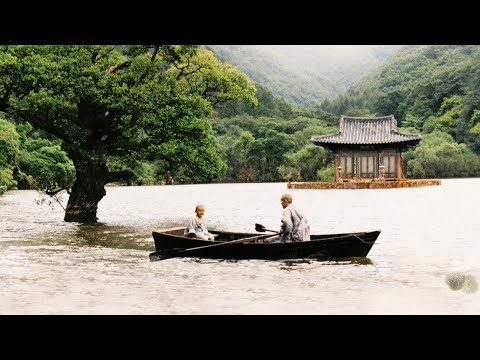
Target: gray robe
x,y
294,227
198,227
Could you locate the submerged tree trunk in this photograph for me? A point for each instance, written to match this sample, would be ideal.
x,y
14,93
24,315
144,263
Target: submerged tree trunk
x,y
87,191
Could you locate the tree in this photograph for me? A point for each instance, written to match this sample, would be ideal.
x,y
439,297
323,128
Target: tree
x,y
440,156
116,105
268,105
9,144
306,161
244,159
274,145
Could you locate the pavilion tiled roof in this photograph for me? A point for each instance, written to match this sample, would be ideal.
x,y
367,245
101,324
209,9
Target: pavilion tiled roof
x,y
367,131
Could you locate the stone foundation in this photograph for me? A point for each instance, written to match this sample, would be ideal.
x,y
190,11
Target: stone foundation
x,y
364,184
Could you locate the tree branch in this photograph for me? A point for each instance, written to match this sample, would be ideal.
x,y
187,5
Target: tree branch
x,y
55,192
182,68
42,124
114,68
152,59
155,52
108,51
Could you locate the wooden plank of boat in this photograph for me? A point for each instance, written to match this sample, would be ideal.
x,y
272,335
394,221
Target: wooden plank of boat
x,y
176,252
238,246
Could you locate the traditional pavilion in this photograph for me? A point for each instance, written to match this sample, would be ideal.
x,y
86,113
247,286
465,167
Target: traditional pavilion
x,y
367,148
367,155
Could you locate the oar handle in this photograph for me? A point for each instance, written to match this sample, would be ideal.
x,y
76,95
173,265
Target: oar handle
x,y
239,241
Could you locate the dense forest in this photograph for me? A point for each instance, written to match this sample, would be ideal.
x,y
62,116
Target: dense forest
x,y
150,115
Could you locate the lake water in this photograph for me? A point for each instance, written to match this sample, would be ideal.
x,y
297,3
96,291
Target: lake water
x,y
48,266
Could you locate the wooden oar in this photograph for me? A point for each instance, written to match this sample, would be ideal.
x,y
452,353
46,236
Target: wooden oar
x,y
261,228
170,253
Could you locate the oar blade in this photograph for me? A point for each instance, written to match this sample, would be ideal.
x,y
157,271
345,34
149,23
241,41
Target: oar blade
x,y
163,255
259,228
156,256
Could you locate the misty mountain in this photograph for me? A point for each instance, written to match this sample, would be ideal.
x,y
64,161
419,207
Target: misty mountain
x,y
305,74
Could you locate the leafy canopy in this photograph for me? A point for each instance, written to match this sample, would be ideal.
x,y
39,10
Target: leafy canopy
x,y
118,104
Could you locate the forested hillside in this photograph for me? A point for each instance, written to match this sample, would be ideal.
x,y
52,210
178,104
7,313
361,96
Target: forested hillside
x,y
305,74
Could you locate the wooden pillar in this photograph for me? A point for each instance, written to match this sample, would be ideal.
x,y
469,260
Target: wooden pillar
x,y
337,162
354,166
398,159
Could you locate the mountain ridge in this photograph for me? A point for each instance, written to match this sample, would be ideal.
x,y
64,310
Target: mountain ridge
x,y
305,74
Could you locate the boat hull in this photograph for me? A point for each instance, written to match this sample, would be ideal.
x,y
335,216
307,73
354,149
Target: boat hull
x,y
320,247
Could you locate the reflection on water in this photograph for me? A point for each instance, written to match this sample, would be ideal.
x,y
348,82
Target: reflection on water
x,y
354,260
331,261
119,237
52,267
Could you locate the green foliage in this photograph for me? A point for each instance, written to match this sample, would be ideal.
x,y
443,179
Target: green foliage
x,y
130,102
242,158
449,114
306,161
317,112
359,112
204,75
41,163
413,122
268,105
475,118
440,156
415,74
302,137
29,160
304,74
288,173
112,106
9,144
47,166
475,130
300,126
196,160
6,180
442,123
327,173
270,149
352,102
144,172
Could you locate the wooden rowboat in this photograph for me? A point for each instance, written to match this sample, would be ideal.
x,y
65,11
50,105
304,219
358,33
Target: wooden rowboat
x,y
239,246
